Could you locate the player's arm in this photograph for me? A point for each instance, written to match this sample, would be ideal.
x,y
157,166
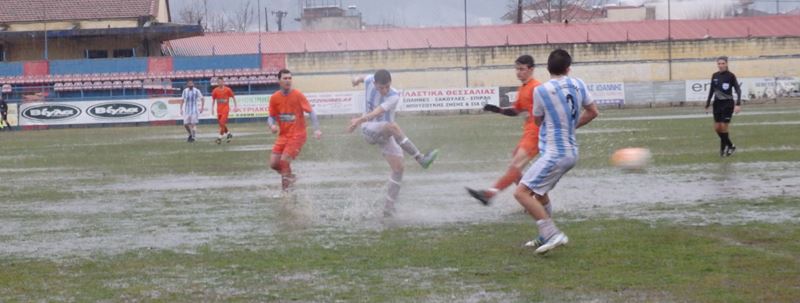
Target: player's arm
x,y
589,113
271,120
738,90
355,122
357,80
183,100
202,103
710,93
213,104
505,111
235,105
313,115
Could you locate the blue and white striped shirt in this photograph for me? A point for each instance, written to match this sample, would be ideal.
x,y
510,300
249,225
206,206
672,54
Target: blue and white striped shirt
x,y
374,99
560,101
191,99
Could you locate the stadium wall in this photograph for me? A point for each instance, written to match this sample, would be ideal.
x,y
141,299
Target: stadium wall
x,y
61,48
595,62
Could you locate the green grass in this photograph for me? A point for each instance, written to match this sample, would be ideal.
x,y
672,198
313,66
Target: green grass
x,y
66,192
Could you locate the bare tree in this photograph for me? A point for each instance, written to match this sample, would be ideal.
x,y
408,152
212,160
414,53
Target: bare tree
x,y
218,22
549,11
191,13
243,17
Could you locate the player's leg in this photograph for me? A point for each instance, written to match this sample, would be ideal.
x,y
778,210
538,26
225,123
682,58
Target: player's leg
x,y
393,130
523,154
532,191
293,148
395,181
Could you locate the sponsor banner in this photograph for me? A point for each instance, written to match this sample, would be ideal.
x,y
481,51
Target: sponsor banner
x,y
448,98
697,90
338,103
249,106
770,88
12,115
612,93
87,112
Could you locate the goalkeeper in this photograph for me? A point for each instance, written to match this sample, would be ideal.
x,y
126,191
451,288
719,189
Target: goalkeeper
x,y
528,146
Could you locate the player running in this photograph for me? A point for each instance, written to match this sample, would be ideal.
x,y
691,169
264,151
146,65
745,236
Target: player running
x,y
528,146
221,96
723,83
286,117
378,126
558,114
192,105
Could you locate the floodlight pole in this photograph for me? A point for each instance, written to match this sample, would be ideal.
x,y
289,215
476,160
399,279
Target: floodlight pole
x,y
259,26
669,37
44,11
466,47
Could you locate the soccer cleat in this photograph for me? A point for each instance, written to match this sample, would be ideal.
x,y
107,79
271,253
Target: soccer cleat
x,y
723,151
218,141
229,137
484,196
730,150
389,211
554,241
535,243
428,158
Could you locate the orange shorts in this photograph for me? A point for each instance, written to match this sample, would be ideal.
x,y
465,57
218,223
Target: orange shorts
x,y
529,143
222,117
290,146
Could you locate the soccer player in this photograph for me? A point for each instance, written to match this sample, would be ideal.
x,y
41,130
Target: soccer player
x,y
378,126
192,105
221,96
528,146
557,111
723,83
4,114
286,117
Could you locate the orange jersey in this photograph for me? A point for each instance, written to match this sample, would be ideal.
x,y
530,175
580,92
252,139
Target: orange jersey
x,y
222,95
525,104
288,111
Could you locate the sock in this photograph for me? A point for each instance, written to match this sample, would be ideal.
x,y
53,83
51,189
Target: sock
x,y
548,209
194,131
394,189
512,175
721,141
286,174
726,139
410,148
547,228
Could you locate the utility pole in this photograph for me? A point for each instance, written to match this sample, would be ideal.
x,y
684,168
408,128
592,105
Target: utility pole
x,y
266,20
259,26
519,11
44,11
280,15
669,38
466,47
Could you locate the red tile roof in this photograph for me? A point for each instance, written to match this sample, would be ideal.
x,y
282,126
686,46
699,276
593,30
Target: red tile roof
x,y
484,36
36,10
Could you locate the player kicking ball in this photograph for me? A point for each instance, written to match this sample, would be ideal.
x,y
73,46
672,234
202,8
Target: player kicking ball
x,y
557,111
287,108
528,146
378,126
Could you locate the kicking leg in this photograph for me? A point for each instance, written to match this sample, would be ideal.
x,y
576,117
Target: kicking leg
x,y
512,175
425,160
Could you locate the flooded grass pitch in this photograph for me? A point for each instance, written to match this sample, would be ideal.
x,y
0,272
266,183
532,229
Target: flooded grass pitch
x,y
136,213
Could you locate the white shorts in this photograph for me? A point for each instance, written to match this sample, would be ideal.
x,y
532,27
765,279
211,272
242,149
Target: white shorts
x,y
191,118
372,133
545,172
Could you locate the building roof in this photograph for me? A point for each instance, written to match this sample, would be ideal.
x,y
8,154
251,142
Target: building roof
x,y
484,36
55,10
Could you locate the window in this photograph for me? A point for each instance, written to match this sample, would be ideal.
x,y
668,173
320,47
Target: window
x,y
96,54
124,53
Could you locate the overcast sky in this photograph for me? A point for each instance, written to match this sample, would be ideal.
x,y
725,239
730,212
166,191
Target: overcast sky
x,y
408,13
419,13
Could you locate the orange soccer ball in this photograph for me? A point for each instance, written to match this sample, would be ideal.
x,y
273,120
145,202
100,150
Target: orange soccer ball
x,y
631,158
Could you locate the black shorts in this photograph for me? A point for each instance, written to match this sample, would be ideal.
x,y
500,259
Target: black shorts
x,y
723,111
4,115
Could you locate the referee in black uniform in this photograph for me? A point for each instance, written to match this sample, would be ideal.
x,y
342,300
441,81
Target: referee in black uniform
x,y
723,83
4,114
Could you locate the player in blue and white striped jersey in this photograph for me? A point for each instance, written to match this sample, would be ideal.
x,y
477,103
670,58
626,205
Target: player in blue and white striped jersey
x,y
192,105
378,127
557,111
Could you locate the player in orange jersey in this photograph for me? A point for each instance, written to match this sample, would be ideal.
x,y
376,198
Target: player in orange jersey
x,y
528,146
221,97
286,118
